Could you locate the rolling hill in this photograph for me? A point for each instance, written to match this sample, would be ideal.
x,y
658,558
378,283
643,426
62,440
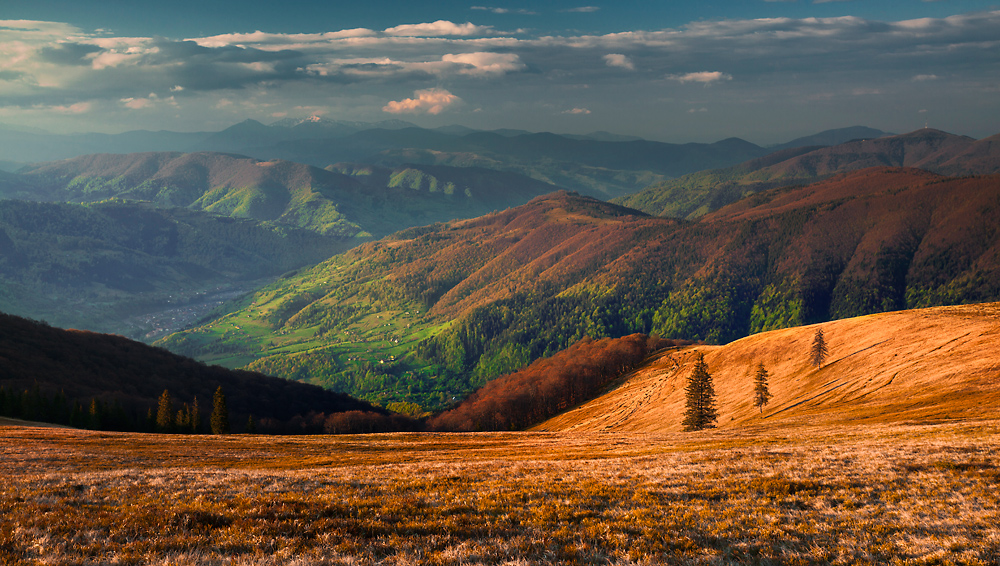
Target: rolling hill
x,y
697,194
430,313
917,366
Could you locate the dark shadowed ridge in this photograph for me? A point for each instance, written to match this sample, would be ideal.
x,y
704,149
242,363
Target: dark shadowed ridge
x,y
85,365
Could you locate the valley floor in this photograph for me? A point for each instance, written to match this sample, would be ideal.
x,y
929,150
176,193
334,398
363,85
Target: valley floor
x,y
911,493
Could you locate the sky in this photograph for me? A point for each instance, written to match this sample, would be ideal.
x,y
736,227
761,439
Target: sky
x,y
763,70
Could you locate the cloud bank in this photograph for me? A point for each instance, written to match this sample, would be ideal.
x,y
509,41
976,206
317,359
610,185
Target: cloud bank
x,y
53,67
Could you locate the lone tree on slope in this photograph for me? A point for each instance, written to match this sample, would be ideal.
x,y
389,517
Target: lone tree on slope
x,y
761,394
700,412
819,348
220,414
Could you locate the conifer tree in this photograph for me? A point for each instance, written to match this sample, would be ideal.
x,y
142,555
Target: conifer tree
x,y
761,394
182,422
96,415
165,413
195,417
700,412
819,348
251,425
220,414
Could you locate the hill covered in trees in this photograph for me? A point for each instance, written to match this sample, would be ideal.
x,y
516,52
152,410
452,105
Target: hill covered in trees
x,y
696,194
431,313
109,382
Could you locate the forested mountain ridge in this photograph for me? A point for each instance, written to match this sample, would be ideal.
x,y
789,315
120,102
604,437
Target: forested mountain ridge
x,y
598,168
358,204
697,194
429,313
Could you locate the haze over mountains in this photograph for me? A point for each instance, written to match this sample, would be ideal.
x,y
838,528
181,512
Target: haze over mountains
x,y
600,164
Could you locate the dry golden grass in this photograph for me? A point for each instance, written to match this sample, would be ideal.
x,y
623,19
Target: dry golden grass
x,y
786,494
928,365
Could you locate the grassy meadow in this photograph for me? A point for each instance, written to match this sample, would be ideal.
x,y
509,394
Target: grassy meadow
x,y
909,493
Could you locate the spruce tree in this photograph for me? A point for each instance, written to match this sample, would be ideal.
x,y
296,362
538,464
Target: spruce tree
x,y
96,415
819,348
195,417
700,412
761,394
182,422
165,413
220,414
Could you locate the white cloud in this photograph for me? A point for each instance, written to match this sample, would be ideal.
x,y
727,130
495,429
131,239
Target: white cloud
x,y
576,111
582,9
697,110
78,108
921,78
619,60
137,103
439,28
485,63
704,77
428,101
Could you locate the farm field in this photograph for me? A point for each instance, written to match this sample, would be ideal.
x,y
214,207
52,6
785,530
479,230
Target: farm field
x,y
916,492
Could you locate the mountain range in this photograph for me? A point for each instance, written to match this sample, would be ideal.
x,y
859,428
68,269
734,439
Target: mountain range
x,y
430,313
693,195
157,230
344,200
601,164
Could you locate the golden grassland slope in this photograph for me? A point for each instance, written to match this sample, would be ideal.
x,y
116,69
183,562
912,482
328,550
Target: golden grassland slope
x,y
864,494
925,365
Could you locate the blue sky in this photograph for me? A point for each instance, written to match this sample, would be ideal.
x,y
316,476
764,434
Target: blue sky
x,y
765,71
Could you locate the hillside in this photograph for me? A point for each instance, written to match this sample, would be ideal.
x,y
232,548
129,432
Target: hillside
x,y
430,313
914,366
358,204
696,194
123,267
46,371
